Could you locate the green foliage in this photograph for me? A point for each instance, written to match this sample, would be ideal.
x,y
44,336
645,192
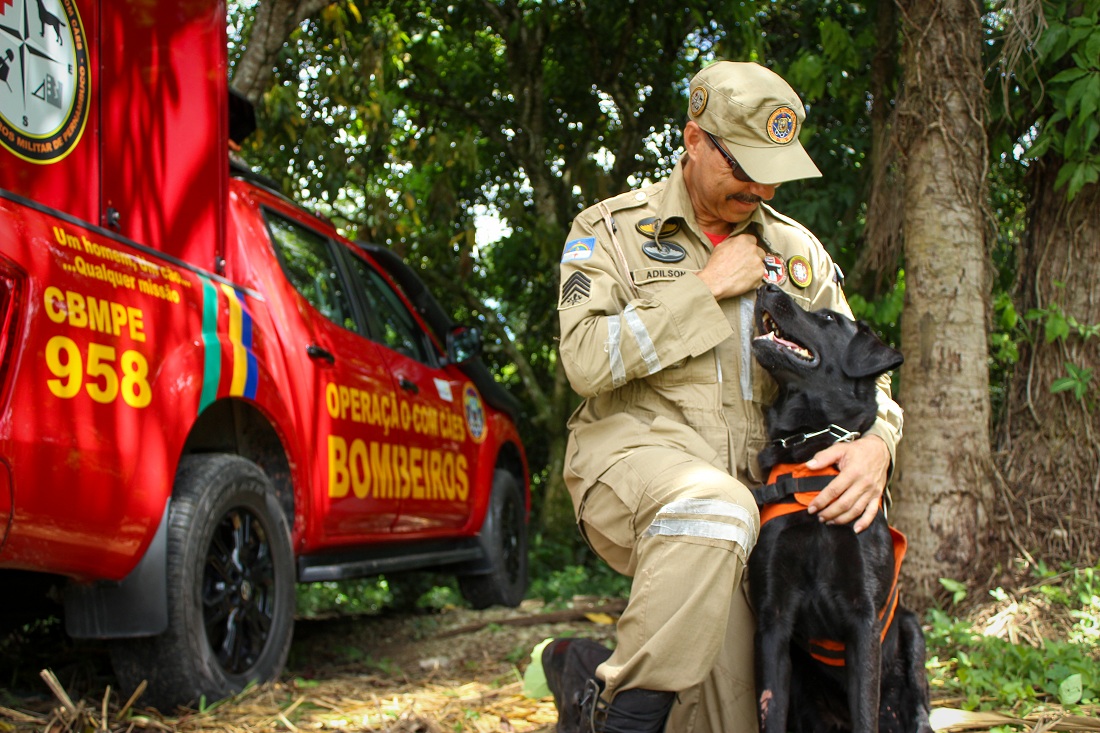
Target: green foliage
x,y
405,121
1060,326
884,313
991,673
955,588
562,569
1073,41
827,52
560,585
1057,96
371,596
1003,345
346,597
1076,382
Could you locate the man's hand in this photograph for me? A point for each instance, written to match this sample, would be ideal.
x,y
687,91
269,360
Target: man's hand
x,y
855,493
735,267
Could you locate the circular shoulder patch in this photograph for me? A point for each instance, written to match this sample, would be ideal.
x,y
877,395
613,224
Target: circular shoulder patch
x,y
47,95
698,101
782,126
800,272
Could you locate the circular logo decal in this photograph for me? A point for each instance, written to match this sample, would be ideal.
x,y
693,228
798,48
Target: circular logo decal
x,y
799,269
45,81
698,101
782,125
475,412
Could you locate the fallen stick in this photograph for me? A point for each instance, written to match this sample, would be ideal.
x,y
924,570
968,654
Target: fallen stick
x,y
554,617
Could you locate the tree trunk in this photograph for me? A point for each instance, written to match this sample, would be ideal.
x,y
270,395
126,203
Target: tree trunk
x,y
879,258
1049,443
275,19
942,483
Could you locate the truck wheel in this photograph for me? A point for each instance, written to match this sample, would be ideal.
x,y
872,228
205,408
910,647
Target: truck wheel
x,y
231,597
504,539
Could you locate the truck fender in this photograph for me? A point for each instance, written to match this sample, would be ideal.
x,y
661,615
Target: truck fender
x,y
135,606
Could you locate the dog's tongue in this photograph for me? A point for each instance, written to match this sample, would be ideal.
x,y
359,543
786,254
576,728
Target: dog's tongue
x,y
781,341
790,345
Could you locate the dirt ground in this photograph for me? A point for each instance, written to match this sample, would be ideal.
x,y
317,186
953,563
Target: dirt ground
x,y
454,670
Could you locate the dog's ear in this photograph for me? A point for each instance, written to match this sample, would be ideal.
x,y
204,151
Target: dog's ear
x,y
867,356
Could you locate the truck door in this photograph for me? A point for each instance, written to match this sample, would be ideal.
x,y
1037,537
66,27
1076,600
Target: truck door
x,y
437,452
351,400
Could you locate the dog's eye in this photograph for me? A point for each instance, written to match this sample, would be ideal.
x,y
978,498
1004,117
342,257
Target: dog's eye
x,y
827,316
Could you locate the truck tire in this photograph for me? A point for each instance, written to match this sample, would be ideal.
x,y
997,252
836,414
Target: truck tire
x,y
231,596
504,540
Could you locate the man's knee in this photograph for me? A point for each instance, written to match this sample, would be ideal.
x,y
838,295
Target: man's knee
x,y
714,509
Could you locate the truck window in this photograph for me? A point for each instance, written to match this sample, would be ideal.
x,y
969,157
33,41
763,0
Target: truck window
x,y
308,260
391,322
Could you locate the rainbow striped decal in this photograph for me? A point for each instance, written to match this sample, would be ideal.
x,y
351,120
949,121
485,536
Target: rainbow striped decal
x,y
237,330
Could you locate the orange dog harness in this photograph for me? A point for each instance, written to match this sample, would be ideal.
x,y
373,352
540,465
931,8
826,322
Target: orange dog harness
x,y
791,488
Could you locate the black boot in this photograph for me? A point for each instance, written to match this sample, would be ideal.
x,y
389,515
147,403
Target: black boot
x,y
570,668
631,711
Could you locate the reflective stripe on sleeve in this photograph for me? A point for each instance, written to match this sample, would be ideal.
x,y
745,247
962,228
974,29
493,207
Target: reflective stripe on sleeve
x,y
707,521
641,335
614,352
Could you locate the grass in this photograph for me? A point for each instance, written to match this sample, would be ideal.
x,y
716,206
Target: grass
x,y
1022,651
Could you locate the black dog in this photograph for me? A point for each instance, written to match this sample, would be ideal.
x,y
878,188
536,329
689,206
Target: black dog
x,y
834,651
46,18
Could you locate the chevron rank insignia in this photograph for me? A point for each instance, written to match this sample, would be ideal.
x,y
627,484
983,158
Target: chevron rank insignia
x,y
576,290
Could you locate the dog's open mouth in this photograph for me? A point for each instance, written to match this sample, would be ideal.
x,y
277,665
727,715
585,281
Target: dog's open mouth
x,y
773,334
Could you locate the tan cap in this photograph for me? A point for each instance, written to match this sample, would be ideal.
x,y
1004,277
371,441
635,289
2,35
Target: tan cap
x,y
757,114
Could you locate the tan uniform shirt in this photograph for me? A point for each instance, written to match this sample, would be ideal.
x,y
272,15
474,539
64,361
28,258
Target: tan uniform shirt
x,y
656,358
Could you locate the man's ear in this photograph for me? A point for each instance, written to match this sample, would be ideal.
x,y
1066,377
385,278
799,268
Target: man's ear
x,y
693,137
867,356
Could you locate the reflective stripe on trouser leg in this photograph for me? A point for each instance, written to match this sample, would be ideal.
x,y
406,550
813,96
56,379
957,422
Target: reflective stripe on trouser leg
x,y
695,526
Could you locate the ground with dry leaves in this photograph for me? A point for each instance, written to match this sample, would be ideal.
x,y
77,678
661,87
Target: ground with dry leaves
x,y
455,670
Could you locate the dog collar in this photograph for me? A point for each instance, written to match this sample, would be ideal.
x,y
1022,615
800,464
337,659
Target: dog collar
x,y
839,434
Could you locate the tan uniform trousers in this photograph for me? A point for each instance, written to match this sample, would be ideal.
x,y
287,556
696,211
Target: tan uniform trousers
x,y
683,529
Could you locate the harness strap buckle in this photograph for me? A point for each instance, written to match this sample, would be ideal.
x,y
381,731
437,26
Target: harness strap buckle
x,y
839,435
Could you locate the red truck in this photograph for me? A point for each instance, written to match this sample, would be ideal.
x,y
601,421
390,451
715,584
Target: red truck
x,y
208,394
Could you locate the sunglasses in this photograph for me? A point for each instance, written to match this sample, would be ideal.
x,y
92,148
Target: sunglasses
x,y
735,167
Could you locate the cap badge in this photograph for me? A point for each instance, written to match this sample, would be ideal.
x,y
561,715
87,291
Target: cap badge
x,y
648,227
782,126
698,101
774,271
801,273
